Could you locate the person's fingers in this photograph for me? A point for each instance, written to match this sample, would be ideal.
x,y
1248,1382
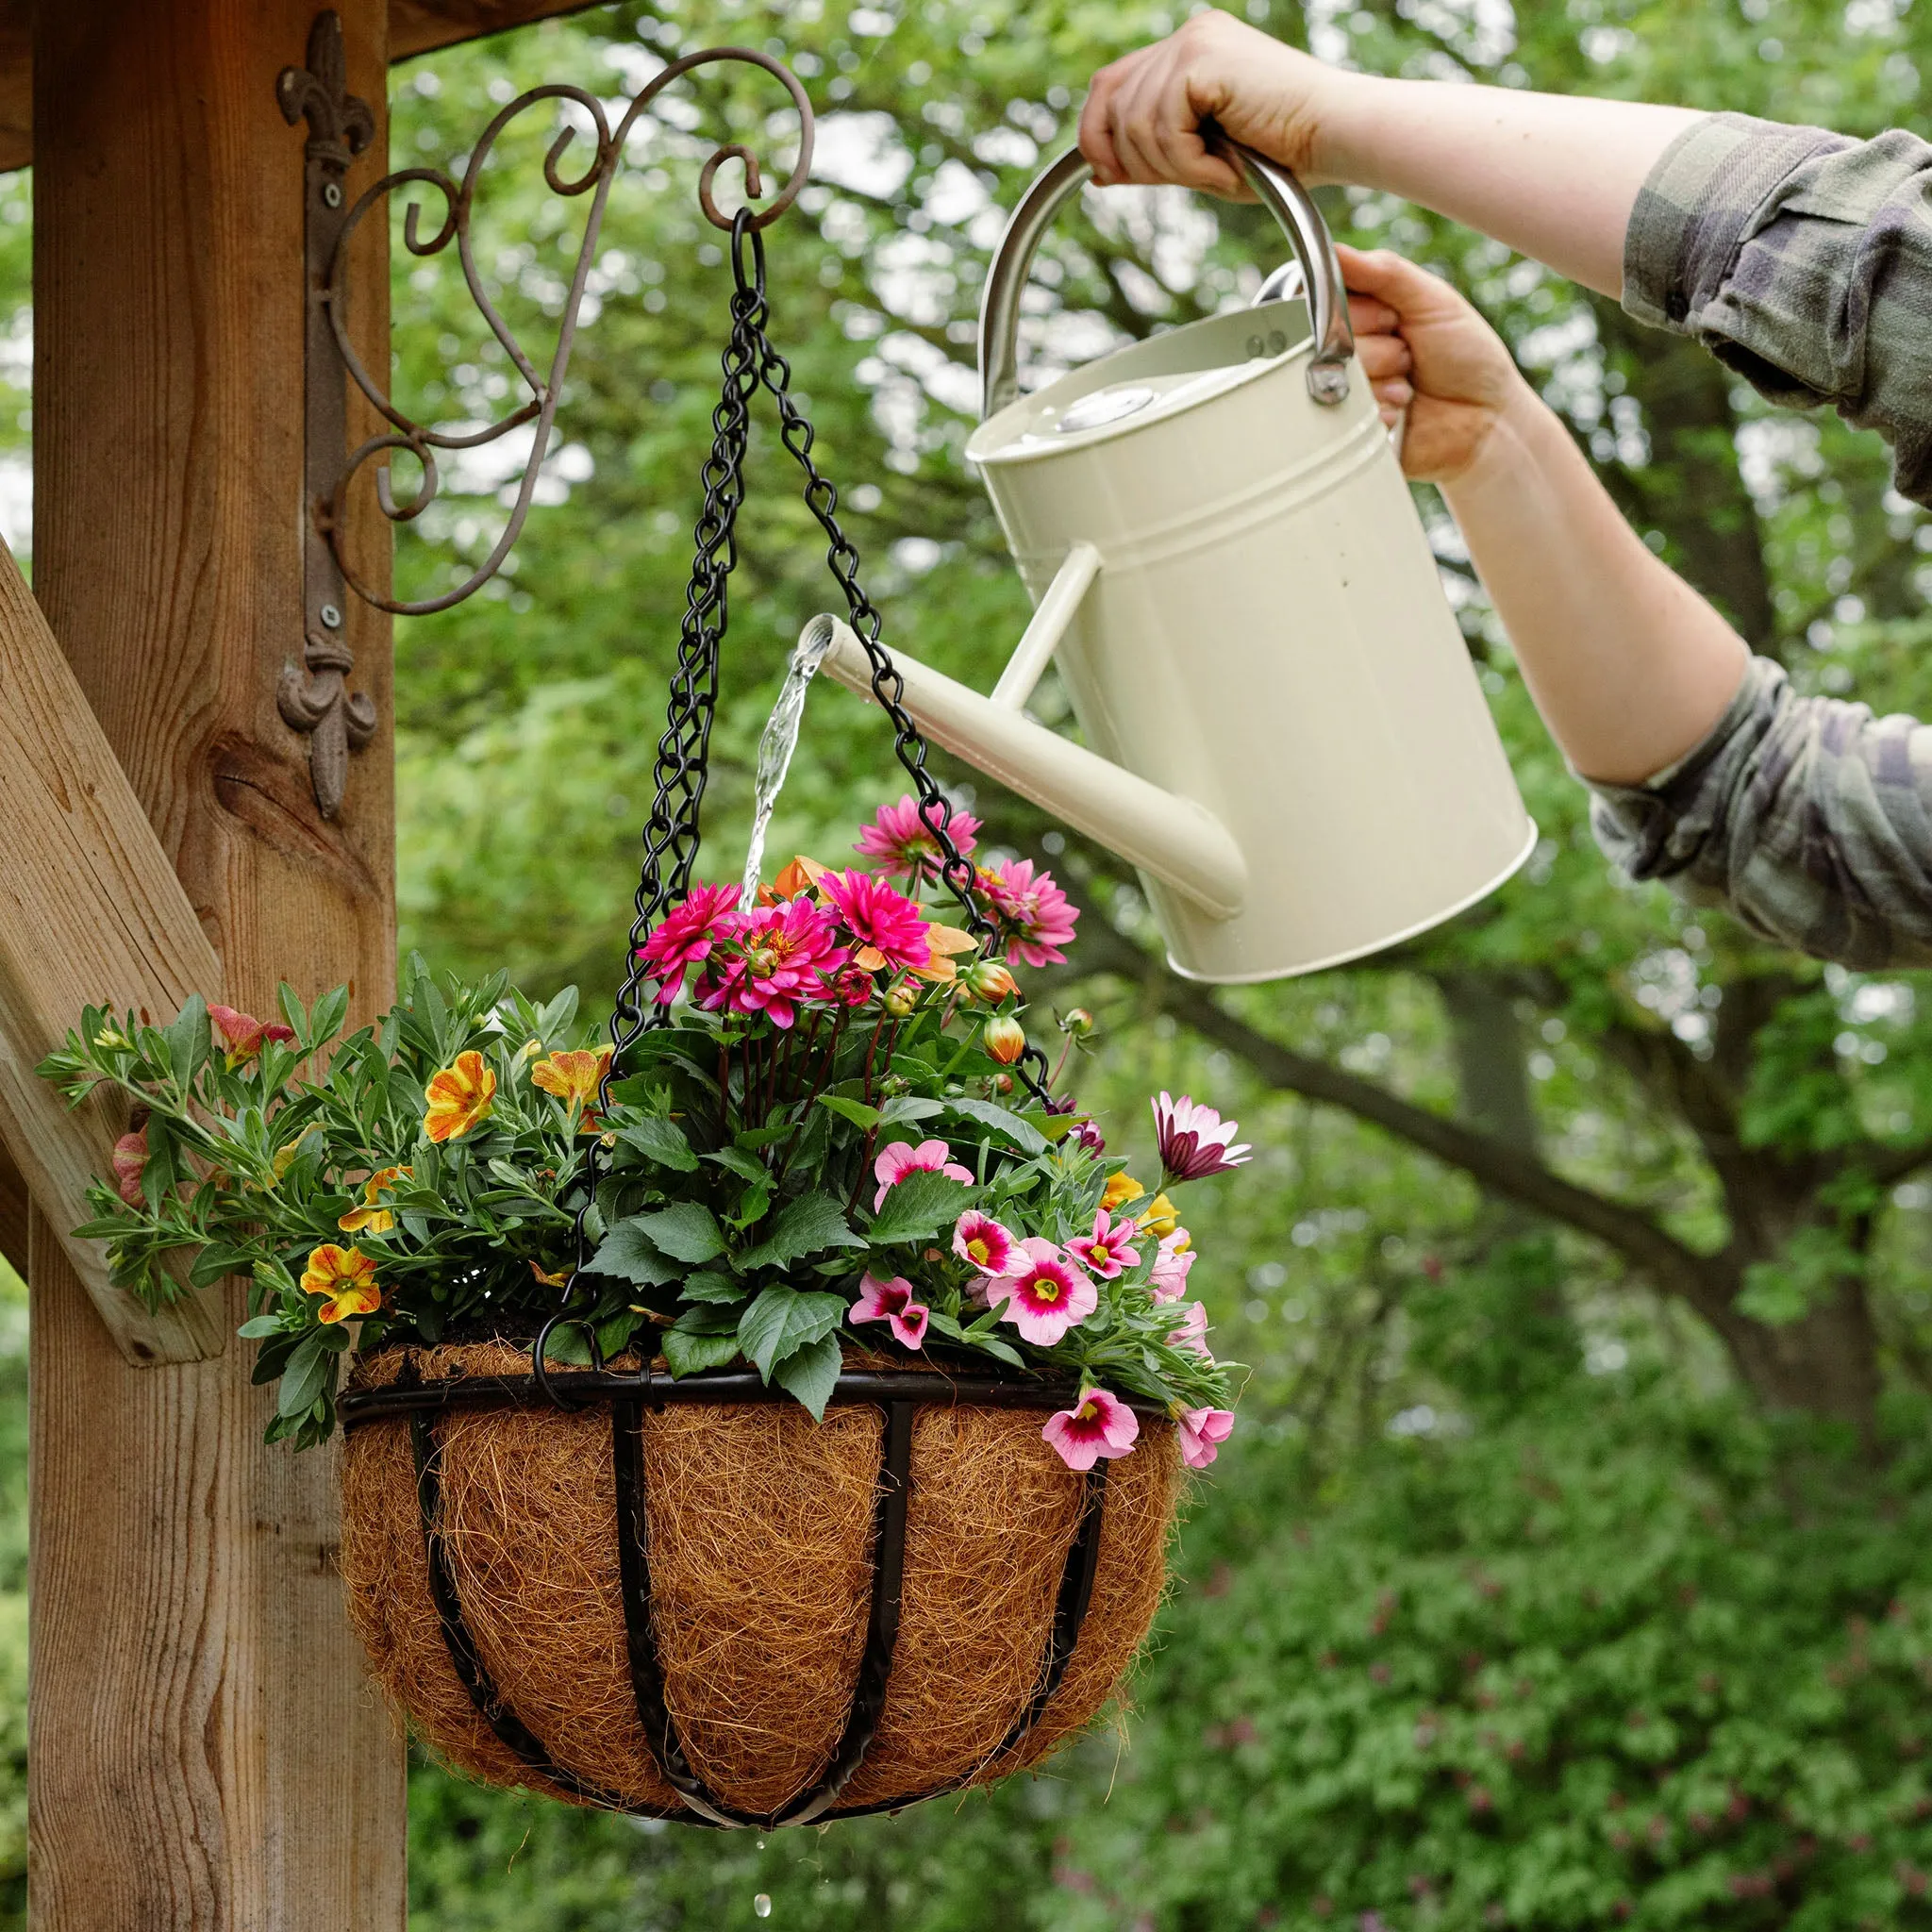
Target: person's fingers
x,y
1096,134
1383,358
1369,316
1391,279
1135,124
1396,395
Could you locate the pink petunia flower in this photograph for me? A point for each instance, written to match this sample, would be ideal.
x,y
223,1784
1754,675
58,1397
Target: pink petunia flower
x,y
1037,917
685,936
243,1036
900,837
1169,1279
779,956
1043,1292
130,1158
1192,1333
1194,1140
892,1302
983,1241
1106,1251
900,1159
887,929
1097,1425
1202,1430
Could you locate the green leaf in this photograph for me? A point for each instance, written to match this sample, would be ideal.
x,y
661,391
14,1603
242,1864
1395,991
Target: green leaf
x,y
811,1374
710,1287
1054,1126
628,1252
687,1229
740,1163
918,1207
685,1353
187,1038
752,1204
807,1225
1023,1133
781,1321
331,1010
909,1107
855,1111
254,1329
309,1371
660,1141
755,1137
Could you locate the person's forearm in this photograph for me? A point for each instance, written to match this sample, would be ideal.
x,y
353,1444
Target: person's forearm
x,y
1628,665
1553,176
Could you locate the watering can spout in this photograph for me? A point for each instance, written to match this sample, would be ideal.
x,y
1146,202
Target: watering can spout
x,y
1175,840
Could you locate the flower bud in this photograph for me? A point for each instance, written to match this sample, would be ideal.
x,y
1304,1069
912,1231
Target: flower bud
x,y
1002,1083
1004,1039
990,981
902,999
1079,1023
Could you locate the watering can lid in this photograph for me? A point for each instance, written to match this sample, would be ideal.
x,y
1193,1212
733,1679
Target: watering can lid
x,y
1143,384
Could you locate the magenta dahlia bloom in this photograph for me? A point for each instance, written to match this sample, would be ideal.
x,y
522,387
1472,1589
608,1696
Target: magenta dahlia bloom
x,y
1202,1432
1193,1140
779,955
900,1159
1043,1292
893,1301
1037,917
887,929
1097,1425
903,842
685,936
1106,1251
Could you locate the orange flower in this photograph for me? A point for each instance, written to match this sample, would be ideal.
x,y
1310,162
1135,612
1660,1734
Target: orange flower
x,y
1004,1039
556,1280
241,1035
944,941
801,876
1122,1188
372,1218
346,1276
1161,1218
458,1097
573,1078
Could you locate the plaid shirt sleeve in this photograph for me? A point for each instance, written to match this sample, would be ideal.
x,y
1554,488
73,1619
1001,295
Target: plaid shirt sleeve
x,y
1803,260
1811,818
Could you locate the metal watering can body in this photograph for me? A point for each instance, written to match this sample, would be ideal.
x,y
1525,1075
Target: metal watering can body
x,y
1284,732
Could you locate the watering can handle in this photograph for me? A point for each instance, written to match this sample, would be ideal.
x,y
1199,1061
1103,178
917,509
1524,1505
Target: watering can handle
x,y
1285,198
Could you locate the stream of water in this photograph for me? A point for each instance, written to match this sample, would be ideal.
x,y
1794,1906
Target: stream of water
x,y
777,746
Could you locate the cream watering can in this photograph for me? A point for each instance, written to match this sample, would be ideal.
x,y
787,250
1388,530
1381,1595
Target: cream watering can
x,y
1286,735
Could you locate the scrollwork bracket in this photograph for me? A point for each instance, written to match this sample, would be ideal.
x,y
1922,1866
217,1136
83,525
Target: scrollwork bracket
x,y
314,696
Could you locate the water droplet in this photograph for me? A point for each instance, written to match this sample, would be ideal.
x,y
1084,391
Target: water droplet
x,y
762,1905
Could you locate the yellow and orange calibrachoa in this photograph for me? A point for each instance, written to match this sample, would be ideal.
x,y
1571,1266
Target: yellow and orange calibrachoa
x,y
1121,1188
458,1097
573,1076
346,1276
372,1217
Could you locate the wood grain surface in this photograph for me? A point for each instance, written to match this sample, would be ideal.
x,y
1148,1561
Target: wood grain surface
x,y
89,911
207,1753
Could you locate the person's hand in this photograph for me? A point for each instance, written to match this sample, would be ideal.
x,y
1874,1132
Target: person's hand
x,y
1143,113
1426,351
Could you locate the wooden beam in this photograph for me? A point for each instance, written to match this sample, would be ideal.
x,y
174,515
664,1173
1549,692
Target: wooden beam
x,y
416,27
207,1751
90,910
14,1203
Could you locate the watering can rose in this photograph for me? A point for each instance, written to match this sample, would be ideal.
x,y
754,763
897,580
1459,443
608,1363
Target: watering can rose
x,y
832,1135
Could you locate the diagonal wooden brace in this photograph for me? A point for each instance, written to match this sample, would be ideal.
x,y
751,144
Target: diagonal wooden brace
x,y
91,911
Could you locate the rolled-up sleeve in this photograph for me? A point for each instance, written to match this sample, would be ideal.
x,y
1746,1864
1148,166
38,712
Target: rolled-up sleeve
x,y
1810,817
1803,260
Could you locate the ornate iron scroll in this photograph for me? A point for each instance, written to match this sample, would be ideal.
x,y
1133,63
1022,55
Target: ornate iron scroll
x,y
314,697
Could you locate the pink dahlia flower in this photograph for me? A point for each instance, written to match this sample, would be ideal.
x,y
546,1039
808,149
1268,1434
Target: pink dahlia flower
x,y
1192,1333
1193,1140
1038,916
1106,1252
1097,1425
889,931
892,1302
983,1242
903,839
1202,1432
1169,1278
685,936
779,955
1043,1292
900,1159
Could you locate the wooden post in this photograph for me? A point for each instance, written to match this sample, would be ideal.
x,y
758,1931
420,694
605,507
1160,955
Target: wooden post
x,y
206,1752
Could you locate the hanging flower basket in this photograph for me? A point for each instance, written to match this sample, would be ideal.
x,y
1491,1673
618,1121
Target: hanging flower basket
x,y
682,1602
775,1414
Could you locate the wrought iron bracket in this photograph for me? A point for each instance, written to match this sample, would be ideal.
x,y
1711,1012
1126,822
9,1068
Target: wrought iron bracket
x,y
314,696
